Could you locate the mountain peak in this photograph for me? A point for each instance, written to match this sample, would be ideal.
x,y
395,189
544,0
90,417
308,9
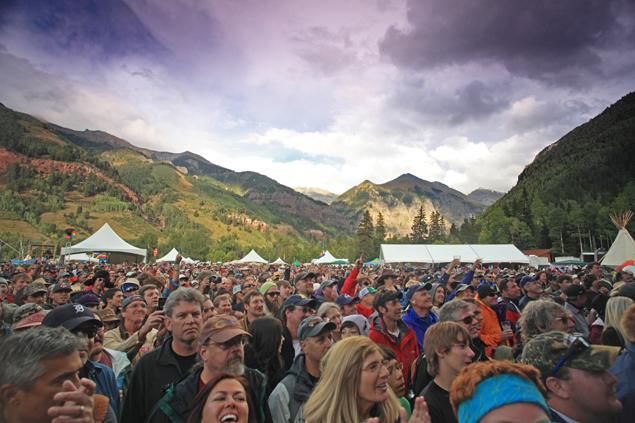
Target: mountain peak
x,y
406,177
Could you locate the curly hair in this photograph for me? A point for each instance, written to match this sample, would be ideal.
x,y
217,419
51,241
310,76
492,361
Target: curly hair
x,y
464,386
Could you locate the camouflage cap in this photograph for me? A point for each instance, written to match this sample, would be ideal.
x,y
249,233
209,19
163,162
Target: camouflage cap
x,y
25,311
545,351
34,288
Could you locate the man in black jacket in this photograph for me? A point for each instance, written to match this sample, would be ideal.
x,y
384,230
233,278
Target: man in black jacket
x,y
220,346
159,368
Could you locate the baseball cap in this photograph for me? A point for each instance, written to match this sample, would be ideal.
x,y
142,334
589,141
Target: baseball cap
x,y
313,326
627,290
574,290
297,300
545,351
63,275
425,278
25,311
485,290
367,290
70,316
386,297
237,289
34,288
464,286
525,280
220,329
62,286
417,287
29,322
344,299
4,281
327,283
131,299
303,275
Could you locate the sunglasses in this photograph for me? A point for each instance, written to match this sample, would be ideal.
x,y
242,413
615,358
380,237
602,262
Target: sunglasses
x,y
89,332
248,286
273,294
467,320
131,289
578,345
365,283
494,294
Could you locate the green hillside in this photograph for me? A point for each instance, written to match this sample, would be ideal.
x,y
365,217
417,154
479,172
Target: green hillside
x,y
563,198
53,178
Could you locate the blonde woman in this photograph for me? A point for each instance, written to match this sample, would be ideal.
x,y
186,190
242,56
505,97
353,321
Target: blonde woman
x,y
613,334
331,311
354,388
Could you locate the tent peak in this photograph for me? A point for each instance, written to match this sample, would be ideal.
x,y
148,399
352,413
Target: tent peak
x,y
621,219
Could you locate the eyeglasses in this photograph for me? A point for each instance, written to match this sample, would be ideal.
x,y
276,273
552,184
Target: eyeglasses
x,y
224,346
578,345
396,368
248,286
376,367
273,294
89,332
564,320
467,320
494,294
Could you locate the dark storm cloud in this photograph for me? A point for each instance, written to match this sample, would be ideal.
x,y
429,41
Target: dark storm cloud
x,y
473,101
93,28
560,42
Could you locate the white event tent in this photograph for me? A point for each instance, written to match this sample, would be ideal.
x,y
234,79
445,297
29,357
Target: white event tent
x,y
623,247
169,257
105,240
328,258
252,257
433,253
279,261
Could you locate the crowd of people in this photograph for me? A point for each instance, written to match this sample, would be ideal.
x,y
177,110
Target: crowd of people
x,y
190,343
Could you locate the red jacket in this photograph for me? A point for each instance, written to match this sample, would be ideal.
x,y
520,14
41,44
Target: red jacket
x,y
350,283
407,351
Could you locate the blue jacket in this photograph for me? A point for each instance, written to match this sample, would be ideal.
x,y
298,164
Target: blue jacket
x,y
106,383
418,325
624,370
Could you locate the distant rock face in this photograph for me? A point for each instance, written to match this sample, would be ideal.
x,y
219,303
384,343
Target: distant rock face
x,y
317,194
298,204
485,196
400,200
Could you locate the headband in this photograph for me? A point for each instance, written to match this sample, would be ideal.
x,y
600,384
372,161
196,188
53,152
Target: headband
x,y
496,392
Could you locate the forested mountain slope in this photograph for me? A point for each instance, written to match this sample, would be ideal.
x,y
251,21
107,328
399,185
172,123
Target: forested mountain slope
x,y
562,200
52,179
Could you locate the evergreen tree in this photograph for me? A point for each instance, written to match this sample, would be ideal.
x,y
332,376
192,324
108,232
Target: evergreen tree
x,y
419,227
365,236
380,234
436,230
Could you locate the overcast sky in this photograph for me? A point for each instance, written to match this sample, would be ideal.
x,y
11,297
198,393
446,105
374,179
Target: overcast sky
x,y
324,93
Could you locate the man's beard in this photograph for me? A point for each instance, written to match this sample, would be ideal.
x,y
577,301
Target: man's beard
x,y
273,306
237,368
